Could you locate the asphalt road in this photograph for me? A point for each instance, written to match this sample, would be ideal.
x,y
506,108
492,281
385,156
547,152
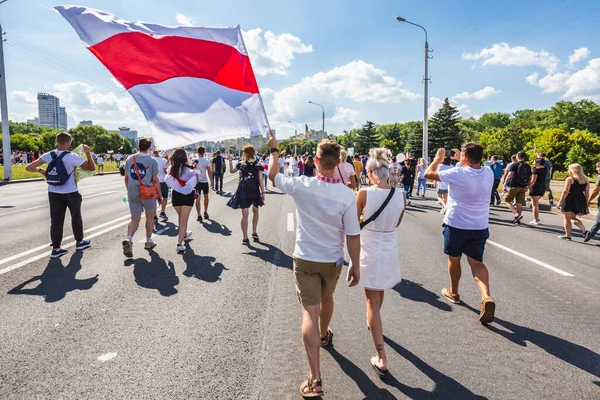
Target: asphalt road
x,y
222,321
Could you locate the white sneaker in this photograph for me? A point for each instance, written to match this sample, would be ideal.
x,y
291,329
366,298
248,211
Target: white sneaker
x,y
534,222
443,210
180,248
188,235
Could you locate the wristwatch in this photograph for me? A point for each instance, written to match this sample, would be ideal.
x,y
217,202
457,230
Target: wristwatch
x,y
274,150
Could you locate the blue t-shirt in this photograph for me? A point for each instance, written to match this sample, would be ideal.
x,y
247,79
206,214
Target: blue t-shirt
x,y
498,170
548,172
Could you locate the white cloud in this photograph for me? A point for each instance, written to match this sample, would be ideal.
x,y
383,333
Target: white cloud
x,y
533,78
435,103
347,117
579,54
518,56
481,94
271,53
23,96
184,20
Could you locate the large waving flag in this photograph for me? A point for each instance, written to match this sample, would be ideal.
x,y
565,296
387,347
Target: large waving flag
x,y
191,83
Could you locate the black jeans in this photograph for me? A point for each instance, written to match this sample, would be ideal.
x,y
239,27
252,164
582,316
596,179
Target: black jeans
x,y
58,208
495,195
218,177
549,190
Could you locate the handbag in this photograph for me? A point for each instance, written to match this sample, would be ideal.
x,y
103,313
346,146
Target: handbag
x,y
146,192
379,211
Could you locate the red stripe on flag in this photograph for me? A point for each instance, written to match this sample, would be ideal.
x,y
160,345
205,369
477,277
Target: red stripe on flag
x,y
137,58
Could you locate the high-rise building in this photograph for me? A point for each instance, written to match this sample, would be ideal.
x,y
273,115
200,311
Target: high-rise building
x,y
62,119
34,121
86,123
50,113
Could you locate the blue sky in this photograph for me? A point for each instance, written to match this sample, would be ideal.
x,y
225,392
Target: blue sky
x,y
351,56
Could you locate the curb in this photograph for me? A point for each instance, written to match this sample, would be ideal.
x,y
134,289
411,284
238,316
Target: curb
x,y
41,179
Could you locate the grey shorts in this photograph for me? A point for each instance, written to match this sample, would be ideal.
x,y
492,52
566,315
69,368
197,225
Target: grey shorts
x,y
138,207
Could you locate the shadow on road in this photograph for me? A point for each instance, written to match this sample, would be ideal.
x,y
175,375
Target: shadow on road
x,y
155,274
574,354
416,292
203,268
56,280
271,254
173,230
215,227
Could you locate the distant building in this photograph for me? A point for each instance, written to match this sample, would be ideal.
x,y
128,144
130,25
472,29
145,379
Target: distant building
x,y
49,113
62,119
258,142
130,135
35,121
86,123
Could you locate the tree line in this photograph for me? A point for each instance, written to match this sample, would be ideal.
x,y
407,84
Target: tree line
x,y
568,132
28,137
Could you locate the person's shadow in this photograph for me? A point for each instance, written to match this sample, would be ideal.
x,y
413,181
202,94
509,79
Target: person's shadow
x,y
57,280
271,254
574,354
204,268
155,274
214,227
416,292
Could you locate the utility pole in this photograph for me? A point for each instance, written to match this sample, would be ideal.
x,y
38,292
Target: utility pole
x,y
4,113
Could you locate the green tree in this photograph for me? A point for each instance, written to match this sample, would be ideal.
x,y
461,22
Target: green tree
x,y
582,115
489,122
23,142
444,130
87,135
367,138
556,143
390,144
126,147
414,143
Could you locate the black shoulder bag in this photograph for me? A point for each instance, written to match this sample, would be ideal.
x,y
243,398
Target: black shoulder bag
x,y
380,210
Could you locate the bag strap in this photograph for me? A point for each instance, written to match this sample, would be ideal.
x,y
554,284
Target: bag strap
x,y
340,172
137,170
380,210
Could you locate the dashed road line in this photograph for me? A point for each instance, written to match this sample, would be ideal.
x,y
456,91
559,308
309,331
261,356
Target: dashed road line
x,y
290,222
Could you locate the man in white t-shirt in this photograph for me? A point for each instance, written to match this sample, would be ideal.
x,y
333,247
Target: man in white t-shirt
x,y
326,214
164,189
100,163
204,172
63,195
466,221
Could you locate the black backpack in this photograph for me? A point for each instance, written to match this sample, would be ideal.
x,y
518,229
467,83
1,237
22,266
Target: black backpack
x,y
56,174
522,175
250,182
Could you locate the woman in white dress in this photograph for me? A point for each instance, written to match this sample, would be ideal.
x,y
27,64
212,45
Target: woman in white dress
x,y
379,258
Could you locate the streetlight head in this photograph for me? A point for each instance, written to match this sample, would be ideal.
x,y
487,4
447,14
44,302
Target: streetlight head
x,y
310,102
400,19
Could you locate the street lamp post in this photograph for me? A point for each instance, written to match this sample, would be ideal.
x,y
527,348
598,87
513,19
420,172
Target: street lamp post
x,y
4,112
323,129
426,80
295,137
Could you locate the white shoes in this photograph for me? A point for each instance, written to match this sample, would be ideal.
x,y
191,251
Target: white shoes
x,y
188,235
534,222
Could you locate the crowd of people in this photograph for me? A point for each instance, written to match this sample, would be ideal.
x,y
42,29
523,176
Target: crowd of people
x,y
341,202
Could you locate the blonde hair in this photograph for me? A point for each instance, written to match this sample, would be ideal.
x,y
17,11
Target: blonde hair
x,y
379,164
248,153
343,155
422,162
328,152
577,171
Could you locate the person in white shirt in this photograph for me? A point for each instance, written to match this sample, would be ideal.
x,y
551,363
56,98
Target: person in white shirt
x,y
164,188
326,214
63,195
442,187
100,162
466,221
204,172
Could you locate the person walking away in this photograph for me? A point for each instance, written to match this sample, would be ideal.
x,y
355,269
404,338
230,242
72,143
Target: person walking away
x,y
164,188
218,169
505,181
466,221
498,170
442,187
519,176
345,171
573,200
118,158
358,169
309,167
100,163
326,214
394,172
265,162
381,208
537,188
62,190
421,182
182,178
204,173
596,227
549,167
412,164
295,169
143,193
301,161
407,179
250,191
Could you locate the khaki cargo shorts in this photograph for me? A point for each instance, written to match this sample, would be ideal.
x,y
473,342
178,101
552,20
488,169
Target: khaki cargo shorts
x,y
315,280
517,194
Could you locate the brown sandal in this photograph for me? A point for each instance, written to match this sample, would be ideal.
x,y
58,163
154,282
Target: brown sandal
x,y
452,298
311,385
326,340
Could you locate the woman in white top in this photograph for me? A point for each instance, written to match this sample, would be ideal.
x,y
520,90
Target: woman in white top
x,y
421,181
394,173
182,178
345,171
442,187
379,258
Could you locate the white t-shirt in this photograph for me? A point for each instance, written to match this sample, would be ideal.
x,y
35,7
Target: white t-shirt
x,y
394,168
162,166
188,176
443,185
421,169
326,213
468,197
71,161
201,165
99,160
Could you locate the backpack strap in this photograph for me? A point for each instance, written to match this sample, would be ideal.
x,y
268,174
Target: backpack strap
x,y
380,210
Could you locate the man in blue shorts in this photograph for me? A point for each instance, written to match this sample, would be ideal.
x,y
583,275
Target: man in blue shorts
x,y
466,221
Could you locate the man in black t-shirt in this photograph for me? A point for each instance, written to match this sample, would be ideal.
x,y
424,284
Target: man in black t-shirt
x,y
408,177
592,232
519,175
218,168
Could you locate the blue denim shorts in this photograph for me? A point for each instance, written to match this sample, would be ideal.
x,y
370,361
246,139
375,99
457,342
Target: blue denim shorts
x,y
462,241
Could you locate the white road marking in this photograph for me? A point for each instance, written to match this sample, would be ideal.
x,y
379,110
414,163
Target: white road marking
x,y
533,260
46,254
46,205
290,222
166,228
106,357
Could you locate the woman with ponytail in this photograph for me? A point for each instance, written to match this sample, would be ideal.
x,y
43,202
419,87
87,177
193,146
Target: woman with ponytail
x,y
379,256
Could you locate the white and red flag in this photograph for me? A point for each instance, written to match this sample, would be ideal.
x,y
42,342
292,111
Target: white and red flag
x,y
191,83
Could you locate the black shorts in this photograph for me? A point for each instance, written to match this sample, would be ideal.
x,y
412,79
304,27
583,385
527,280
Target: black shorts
x,y
537,191
462,241
164,190
202,187
182,199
